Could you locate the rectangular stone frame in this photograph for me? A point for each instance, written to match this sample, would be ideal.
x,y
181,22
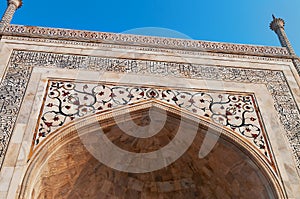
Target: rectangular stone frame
x,y
265,76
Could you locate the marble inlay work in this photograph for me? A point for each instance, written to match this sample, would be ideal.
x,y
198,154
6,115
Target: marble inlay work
x,y
68,100
18,73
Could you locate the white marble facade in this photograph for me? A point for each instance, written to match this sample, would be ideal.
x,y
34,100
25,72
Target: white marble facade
x,y
30,58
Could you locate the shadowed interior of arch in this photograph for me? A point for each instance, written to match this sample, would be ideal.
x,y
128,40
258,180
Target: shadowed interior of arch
x,y
226,172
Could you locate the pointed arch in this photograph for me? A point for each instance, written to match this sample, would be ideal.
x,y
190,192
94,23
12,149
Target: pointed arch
x,y
69,132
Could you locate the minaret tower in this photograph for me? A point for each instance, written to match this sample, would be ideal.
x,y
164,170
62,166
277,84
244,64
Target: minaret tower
x,y
277,25
12,6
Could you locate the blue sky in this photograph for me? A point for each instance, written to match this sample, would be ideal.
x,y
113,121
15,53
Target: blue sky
x,y
234,21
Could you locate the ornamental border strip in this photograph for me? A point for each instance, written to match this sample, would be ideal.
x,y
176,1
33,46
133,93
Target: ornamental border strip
x,y
18,72
137,40
145,48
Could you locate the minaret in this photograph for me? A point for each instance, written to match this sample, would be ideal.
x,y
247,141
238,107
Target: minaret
x,y
12,6
277,25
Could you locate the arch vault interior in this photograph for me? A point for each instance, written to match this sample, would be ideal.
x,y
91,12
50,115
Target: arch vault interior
x,y
71,172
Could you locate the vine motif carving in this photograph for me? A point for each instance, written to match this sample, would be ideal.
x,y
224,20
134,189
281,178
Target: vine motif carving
x,y
77,35
19,69
66,101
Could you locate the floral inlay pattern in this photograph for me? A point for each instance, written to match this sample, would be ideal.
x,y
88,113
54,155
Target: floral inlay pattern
x,y
19,70
66,101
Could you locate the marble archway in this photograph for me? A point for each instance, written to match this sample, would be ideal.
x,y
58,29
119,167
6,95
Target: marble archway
x,y
64,168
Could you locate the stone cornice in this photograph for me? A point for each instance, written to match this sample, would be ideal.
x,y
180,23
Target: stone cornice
x,y
136,40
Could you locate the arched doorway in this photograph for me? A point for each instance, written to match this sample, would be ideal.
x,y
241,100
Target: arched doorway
x,y
65,168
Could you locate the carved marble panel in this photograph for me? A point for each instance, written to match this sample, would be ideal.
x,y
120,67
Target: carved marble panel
x,y
67,100
18,72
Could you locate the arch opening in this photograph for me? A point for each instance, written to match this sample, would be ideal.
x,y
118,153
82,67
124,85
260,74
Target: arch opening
x,y
64,168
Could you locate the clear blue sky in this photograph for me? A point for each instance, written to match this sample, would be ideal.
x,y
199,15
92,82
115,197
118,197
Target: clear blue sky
x,y
234,21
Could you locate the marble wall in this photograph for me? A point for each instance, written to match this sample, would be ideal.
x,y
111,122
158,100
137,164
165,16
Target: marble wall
x,y
28,65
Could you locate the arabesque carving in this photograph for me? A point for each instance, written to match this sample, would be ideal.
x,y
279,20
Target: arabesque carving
x,y
66,101
13,85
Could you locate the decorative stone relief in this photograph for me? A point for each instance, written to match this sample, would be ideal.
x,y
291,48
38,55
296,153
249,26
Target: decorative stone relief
x,y
21,62
67,100
135,40
149,49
